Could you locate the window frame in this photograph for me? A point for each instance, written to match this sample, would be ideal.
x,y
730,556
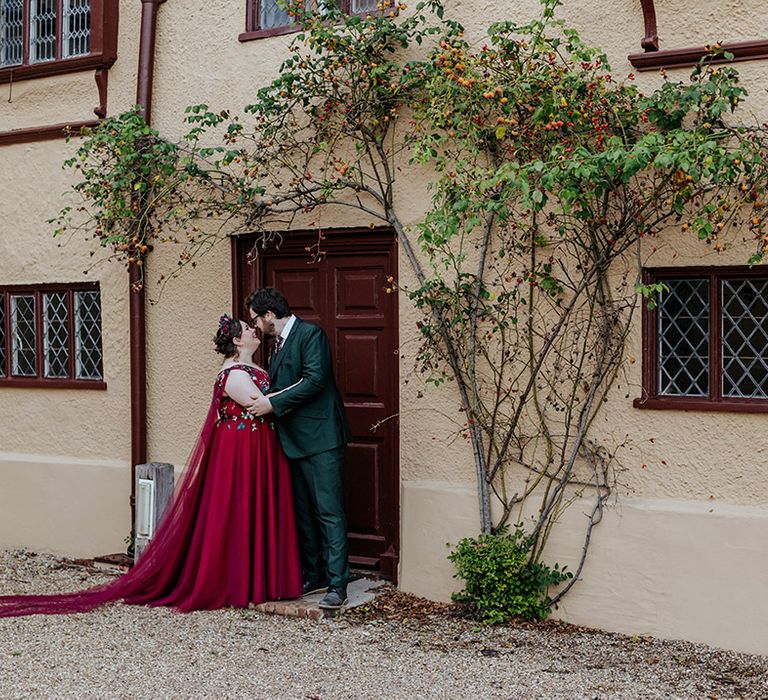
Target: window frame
x,y
653,58
253,31
103,45
40,380
715,401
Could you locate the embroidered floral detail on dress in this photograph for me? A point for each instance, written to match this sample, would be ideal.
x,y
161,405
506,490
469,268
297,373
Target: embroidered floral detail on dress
x,y
230,412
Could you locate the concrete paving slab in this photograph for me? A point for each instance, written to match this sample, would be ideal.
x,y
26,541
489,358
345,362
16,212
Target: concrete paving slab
x,y
359,592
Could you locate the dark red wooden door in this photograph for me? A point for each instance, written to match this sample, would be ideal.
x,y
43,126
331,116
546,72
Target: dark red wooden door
x,y
345,292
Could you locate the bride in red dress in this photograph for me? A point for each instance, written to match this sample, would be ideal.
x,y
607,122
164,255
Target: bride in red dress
x,y
228,537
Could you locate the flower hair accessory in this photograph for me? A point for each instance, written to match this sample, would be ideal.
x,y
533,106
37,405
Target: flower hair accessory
x,y
225,325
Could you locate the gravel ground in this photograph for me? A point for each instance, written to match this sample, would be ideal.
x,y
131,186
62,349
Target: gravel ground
x,y
381,652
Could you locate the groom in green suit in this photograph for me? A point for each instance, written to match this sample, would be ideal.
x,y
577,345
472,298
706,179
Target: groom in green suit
x,y
314,432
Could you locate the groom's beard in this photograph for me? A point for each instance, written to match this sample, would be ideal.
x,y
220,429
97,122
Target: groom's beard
x,y
269,329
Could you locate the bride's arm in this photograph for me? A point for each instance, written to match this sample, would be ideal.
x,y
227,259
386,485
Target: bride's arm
x,y
240,387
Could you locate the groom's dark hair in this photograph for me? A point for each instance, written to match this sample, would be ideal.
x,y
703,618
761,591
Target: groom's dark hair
x,y
268,299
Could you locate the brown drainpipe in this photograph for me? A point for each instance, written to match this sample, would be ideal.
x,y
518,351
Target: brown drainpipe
x,y
137,304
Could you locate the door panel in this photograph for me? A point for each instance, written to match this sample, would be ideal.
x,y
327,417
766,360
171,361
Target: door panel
x,y
345,292
301,287
358,380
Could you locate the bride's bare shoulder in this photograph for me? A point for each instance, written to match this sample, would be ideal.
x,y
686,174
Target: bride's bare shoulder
x,y
246,367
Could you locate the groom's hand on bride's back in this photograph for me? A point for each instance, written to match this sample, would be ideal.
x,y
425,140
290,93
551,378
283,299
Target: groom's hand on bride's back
x,y
259,405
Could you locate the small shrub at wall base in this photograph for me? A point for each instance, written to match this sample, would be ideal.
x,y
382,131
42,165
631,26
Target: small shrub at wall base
x,y
501,581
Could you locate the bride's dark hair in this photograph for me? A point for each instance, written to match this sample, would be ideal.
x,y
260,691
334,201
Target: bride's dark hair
x,y
229,329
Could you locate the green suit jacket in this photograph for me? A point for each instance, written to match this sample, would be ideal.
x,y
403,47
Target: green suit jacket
x,y
309,410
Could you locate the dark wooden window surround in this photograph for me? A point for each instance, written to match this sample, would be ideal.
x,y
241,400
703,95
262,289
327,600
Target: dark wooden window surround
x,y
652,58
720,352
254,31
103,45
103,53
62,358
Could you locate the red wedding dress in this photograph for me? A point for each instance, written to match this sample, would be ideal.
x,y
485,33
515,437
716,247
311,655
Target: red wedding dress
x,y
228,537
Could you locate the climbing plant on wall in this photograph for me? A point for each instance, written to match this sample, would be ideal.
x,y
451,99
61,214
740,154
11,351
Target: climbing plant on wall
x,y
551,179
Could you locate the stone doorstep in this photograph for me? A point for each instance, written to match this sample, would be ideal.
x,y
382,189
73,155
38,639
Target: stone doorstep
x,y
359,592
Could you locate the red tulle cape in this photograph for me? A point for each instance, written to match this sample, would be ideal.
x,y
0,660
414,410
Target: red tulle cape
x,y
228,537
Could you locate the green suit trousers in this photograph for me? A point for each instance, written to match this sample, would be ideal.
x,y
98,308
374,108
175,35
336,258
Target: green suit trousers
x,y
322,527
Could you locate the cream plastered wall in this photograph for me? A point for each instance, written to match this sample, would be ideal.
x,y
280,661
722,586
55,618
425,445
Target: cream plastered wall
x,y
682,569
694,526
64,454
723,20
198,59
29,103
687,528
225,73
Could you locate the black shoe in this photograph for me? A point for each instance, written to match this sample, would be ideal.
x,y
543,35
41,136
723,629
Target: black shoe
x,y
311,587
334,599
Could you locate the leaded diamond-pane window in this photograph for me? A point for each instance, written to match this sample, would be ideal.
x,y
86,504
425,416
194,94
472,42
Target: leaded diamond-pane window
x,y
684,338
2,336
705,345
11,32
42,31
272,15
55,334
34,33
23,352
88,335
745,338
359,7
50,335
76,29
267,17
